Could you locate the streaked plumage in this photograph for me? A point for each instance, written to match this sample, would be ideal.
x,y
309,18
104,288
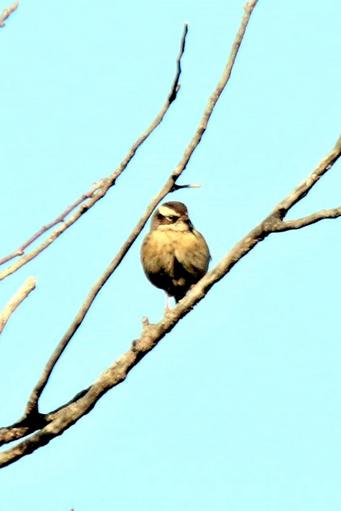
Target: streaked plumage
x,y
174,255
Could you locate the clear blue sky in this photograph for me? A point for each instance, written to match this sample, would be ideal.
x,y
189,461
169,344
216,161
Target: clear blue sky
x,y
239,407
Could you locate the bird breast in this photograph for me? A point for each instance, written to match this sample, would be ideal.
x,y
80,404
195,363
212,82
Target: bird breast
x,y
163,247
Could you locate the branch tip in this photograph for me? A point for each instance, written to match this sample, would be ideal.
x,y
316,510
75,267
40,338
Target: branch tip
x,y
6,13
338,144
22,293
177,187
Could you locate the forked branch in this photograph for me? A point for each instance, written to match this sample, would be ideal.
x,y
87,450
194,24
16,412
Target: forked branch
x,y
304,188
299,223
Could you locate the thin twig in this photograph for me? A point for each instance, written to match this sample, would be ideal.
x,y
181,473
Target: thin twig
x,y
60,218
299,223
176,85
32,405
303,188
97,191
16,300
6,13
277,222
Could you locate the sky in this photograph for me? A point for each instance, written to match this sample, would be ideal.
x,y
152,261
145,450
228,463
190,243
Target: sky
x,y
238,407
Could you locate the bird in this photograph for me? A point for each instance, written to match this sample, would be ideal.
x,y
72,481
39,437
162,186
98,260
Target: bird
x,y
174,255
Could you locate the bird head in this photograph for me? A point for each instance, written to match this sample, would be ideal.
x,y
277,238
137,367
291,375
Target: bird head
x,y
173,216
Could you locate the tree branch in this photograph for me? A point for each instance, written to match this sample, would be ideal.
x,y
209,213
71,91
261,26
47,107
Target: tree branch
x,y
299,223
60,218
176,86
98,190
16,300
55,423
6,13
303,188
32,405
275,222
58,422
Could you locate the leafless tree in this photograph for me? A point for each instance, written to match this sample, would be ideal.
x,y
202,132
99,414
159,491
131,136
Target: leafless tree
x,y
35,429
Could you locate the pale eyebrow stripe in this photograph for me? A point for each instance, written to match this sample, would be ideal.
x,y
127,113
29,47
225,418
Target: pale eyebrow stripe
x,y
164,211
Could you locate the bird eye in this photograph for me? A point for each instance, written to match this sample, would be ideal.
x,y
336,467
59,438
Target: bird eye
x,y
172,218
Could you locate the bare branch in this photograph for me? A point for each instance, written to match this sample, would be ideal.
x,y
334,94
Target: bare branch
x,y
302,189
55,423
21,429
62,419
60,218
177,187
176,86
16,300
6,13
32,405
275,222
299,223
97,191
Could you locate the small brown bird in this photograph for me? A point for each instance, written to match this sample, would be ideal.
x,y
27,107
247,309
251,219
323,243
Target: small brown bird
x,y
174,255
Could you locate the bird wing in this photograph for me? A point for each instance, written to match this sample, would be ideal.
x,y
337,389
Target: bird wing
x,y
192,253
